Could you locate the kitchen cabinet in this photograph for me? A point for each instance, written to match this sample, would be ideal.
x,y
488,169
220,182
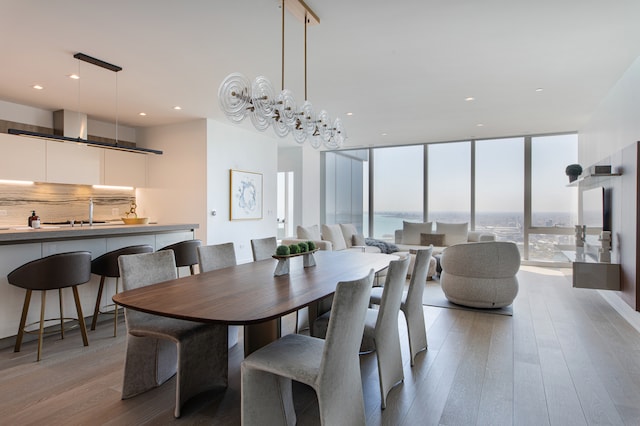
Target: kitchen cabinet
x,y
74,163
22,158
18,247
122,168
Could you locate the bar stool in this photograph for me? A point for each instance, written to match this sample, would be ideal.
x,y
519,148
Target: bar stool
x,y
107,267
186,254
53,272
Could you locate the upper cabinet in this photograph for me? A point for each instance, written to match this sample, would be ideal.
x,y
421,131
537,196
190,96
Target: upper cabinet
x,y
22,158
123,168
74,163
39,160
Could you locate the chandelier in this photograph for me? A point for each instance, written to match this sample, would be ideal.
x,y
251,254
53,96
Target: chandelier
x,y
238,98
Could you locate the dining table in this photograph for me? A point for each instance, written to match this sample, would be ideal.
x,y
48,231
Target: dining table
x,y
249,294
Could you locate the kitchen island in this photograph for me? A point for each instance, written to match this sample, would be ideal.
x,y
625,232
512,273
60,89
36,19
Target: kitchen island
x,y
19,245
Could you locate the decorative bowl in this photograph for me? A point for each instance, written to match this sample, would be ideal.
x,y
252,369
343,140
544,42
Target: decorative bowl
x,y
135,220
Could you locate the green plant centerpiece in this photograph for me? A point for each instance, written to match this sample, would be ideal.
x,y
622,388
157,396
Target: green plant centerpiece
x,y
283,250
573,171
284,253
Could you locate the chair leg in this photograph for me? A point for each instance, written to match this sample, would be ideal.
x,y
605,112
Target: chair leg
x,y
23,321
43,301
96,311
61,313
115,313
83,327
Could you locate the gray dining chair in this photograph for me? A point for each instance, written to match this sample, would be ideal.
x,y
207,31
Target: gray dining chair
x,y
218,256
263,248
160,347
331,367
411,304
381,332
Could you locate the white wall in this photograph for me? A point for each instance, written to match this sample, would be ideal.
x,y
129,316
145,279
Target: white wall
x,y
615,124
304,162
177,180
233,147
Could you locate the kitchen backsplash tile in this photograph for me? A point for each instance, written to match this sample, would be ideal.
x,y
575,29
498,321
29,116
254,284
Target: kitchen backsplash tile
x,y
58,203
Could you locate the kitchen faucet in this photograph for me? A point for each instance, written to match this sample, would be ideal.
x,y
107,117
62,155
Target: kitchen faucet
x,y
90,211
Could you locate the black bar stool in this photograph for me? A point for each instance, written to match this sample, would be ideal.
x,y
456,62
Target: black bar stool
x,y
186,253
53,272
107,267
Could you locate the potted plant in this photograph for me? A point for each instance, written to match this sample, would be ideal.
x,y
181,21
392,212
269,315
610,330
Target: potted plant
x,y
573,171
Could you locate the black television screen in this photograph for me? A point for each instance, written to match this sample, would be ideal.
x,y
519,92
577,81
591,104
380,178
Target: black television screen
x,y
596,209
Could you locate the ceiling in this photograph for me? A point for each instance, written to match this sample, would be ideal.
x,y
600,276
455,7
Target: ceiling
x,y
403,68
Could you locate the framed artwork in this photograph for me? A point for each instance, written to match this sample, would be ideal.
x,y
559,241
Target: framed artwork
x,y
246,195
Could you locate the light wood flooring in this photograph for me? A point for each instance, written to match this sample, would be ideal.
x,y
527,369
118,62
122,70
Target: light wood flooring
x,y
565,357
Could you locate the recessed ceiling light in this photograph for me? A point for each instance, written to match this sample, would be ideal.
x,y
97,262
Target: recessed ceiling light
x,y
349,114
469,99
177,108
142,113
480,125
74,76
37,87
539,89
383,134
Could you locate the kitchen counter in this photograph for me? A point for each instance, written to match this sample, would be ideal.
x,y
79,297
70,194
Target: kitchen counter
x,y
20,245
23,234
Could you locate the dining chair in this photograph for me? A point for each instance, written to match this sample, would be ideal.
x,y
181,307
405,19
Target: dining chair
x,y
186,254
381,332
218,256
161,347
331,367
263,248
411,304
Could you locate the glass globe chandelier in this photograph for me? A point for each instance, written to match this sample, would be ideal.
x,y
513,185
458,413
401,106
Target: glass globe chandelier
x,y
238,98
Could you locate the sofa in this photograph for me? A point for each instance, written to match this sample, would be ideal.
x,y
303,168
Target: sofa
x,y
481,275
334,237
421,235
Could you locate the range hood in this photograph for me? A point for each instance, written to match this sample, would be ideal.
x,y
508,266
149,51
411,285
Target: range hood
x,y
71,126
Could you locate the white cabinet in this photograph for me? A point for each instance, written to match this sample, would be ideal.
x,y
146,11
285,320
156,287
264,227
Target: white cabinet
x,y
74,163
22,158
38,160
124,168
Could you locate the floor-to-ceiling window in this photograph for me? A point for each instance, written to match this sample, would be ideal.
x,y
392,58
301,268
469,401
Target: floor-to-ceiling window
x,y
449,177
499,188
344,187
397,188
553,204
514,187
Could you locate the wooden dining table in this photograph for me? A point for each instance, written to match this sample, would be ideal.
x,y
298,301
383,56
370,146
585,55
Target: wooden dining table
x,y
250,295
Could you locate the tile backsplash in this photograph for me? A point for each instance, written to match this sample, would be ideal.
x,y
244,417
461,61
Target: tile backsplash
x,y
58,203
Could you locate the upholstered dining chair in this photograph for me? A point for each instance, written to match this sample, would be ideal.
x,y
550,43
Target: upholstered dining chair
x,y
160,347
263,248
381,332
411,304
218,256
331,367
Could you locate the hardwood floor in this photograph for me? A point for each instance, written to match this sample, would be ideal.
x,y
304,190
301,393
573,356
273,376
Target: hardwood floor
x,y
565,357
